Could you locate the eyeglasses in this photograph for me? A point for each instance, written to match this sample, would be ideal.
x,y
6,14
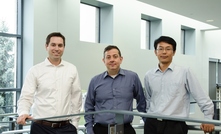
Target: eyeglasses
x,y
164,49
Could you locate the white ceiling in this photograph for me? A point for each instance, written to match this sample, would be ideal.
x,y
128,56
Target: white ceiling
x,y
201,10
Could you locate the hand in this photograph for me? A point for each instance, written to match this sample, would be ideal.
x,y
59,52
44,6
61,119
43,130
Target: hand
x,y
207,128
22,119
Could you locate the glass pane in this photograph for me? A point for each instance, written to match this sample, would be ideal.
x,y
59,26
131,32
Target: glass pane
x,y
182,41
7,105
7,102
7,64
89,23
144,34
8,15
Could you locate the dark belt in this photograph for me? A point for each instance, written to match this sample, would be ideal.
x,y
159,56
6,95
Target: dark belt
x,y
162,120
106,125
53,124
158,119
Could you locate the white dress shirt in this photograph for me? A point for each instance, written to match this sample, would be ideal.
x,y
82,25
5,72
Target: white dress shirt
x,y
168,92
51,91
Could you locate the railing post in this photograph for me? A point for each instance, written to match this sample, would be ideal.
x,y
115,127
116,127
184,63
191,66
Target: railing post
x,y
216,112
119,126
11,123
119,118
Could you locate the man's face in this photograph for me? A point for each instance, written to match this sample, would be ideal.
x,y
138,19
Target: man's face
x,y
55,48
164,53
112,60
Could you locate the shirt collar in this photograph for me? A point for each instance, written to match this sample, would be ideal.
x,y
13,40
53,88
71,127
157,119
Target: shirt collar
x,y
121,72
48,63
171,67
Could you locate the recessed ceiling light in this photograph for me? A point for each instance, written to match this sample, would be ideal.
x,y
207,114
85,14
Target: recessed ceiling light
x,y
209,20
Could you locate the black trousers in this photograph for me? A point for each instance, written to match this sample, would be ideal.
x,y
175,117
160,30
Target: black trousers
x,y
101,129
42,129
154,126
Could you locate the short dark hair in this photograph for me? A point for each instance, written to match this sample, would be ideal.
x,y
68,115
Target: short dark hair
x,y
111,47
55,34
165,39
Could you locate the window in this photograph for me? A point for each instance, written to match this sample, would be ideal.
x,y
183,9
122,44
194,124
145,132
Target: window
x,y
215,85
96,22
145,34
8,16
89,23
187,40
151,29
182,41
10,55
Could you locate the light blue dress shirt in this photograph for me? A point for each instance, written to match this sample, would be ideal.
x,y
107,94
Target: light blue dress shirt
x,y
107,93
168,92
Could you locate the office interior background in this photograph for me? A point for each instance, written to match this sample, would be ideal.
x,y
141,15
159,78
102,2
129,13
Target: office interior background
x,y
132,25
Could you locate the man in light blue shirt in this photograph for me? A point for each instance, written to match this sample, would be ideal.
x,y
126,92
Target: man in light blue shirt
x,y
167,90
113,89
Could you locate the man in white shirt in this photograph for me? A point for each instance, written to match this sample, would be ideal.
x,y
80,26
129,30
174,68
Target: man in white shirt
x,y
51,88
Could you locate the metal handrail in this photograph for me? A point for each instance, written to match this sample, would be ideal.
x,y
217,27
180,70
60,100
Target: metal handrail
x,y
141,114
120,115
82,128
16,131
8,106
8,114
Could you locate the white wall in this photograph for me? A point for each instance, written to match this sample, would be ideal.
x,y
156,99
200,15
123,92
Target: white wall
x,y
46,16
213,43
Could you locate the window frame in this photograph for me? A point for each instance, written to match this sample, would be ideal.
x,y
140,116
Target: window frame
x,y
19,56
105,19
155,29
188,38
97,24
147,31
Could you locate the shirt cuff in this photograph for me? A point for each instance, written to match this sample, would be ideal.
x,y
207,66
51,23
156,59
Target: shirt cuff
x,y
209,117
